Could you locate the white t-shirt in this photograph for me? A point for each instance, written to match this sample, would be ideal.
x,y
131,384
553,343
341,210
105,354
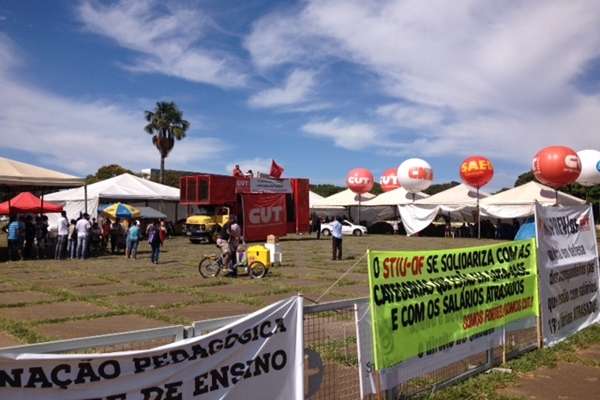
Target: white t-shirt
x,y
336,229
83,227
63,226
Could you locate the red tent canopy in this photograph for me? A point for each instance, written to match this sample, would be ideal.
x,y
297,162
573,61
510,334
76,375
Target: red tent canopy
x,y
28,203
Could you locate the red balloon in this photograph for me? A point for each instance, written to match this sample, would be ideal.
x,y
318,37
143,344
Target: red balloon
x,y
389,180
476,171
556,166
359,180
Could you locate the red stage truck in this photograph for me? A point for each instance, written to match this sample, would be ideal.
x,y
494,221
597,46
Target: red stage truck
x,y
263,206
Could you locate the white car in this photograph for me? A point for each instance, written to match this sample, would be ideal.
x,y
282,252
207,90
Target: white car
x,y
348,228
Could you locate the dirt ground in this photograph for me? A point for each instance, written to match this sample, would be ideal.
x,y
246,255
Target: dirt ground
x,y
43,300
578,378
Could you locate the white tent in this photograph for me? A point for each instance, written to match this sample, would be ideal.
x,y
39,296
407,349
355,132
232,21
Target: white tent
x,y
126,188
454,199
345,198
314,198
460,199
16,173
520,202
395,197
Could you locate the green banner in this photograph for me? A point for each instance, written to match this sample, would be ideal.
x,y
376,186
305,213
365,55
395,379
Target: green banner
x,y
426,301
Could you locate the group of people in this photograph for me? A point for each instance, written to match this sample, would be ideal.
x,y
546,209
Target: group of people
x,y
237,172
501,230
29,237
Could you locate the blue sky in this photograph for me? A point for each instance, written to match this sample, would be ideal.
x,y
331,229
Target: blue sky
x,y
321,86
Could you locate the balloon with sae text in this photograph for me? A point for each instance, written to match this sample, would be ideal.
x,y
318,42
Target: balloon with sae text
x,y
556,166
590,167
415,175
389,180
359,180
476,171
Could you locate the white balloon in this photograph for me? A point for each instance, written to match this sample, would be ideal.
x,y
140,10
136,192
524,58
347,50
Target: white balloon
x,y
415,175
590,167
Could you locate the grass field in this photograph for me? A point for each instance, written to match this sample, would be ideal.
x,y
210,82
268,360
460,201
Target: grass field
x,y
43,300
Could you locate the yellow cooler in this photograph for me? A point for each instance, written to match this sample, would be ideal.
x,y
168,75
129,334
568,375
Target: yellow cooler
x,y
258,253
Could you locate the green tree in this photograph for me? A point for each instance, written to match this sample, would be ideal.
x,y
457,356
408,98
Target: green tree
x,y
106,172
440,187
524,178
326,189
165,124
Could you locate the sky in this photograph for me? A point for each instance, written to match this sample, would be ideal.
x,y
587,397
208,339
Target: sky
x,y
320,86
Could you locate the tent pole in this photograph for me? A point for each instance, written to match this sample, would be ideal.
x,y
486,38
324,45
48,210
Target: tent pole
x,y
478,217
42,203
556,196
85,198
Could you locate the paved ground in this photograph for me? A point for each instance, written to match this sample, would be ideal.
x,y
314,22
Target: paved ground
x,y
47,299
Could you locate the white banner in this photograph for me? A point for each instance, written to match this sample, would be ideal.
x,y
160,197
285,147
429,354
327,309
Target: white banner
x,y
415,367
568,270
260,356
270,185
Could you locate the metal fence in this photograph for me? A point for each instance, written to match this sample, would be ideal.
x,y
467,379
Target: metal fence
x,y
331,353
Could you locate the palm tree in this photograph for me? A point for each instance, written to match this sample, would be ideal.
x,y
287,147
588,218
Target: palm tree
x,y
165,124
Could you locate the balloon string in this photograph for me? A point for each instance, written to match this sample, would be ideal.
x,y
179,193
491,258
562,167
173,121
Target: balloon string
x,y
340,278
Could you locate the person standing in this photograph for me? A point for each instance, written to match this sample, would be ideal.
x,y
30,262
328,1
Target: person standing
x,y
14,239
63,233
235,239
153,234
83,227
163,232
316,225
105,233
28,251
72,243
133,240
237,172
116,232
336,239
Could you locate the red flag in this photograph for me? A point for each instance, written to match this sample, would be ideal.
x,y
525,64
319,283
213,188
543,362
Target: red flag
x,y
276,170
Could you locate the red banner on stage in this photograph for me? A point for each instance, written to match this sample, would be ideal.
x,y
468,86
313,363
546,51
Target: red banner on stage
x,y
264,214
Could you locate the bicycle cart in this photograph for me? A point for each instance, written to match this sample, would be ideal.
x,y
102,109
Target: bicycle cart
x,y
255,262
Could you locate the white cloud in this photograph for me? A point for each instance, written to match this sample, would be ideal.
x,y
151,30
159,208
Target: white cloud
x,y
296,89
351,136
80,136
479,76
410,116
257,164
165,37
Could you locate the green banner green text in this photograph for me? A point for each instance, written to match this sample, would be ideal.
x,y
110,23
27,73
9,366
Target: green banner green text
x,y
425,301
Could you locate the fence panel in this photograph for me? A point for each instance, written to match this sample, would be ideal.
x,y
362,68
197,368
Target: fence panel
x,y
132,340
330,332
331,352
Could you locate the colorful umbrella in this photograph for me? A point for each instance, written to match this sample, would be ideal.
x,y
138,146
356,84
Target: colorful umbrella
x,y
121,210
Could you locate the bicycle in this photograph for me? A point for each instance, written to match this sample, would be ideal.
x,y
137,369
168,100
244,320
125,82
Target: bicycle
x,y
211,266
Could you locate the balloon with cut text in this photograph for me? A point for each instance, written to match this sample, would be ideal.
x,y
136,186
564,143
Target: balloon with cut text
x,y
389,180
590,167
556,166
415,175
360,180
476,171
